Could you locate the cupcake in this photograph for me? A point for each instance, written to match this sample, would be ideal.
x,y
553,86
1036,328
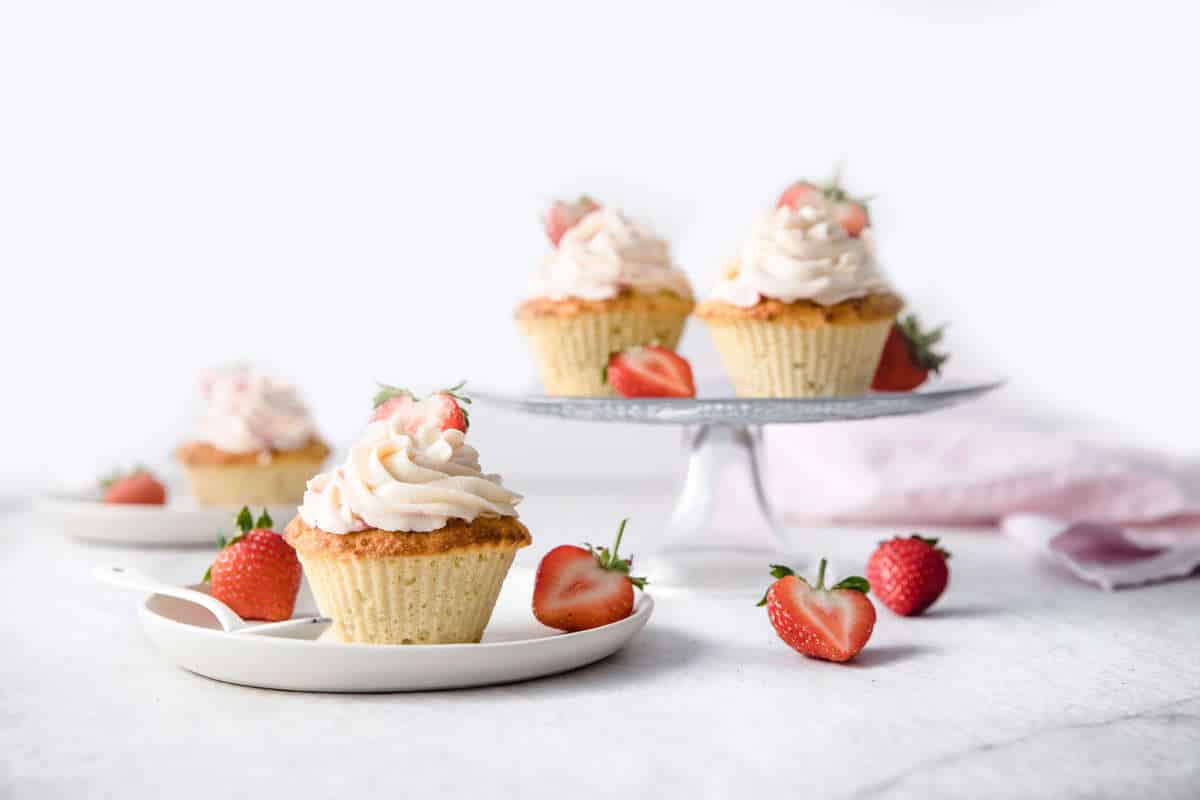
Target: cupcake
x,y
803,311
256,443
608,285
408,541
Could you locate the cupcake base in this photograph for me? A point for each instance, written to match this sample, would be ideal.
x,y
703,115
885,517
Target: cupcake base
x,y
572,340
384,587
801,349
279,477
251,485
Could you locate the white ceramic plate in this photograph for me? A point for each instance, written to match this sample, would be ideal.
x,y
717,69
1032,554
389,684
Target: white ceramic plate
x,y
81,515
515,647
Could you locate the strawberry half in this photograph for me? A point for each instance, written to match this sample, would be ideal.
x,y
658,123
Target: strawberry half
x,y
257,573
446,408
649,371
138,487
849,212
908,356
800,193
909,574
577,589
832,624
561,217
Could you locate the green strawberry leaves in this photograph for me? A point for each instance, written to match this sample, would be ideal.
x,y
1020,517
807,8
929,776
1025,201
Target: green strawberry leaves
x,y
117,475
613,561
387,392
922,343
245,523
853,583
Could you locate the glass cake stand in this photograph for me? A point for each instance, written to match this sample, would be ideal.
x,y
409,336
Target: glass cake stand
x,y
710,542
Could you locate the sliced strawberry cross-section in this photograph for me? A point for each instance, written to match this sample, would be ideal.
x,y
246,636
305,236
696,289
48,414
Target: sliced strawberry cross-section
x,y
832,624
578,588
446,408
561,217
650,371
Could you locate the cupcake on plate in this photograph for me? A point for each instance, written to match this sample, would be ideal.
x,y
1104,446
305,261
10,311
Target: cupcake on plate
x,y
803,311
256,443
608,285
408,541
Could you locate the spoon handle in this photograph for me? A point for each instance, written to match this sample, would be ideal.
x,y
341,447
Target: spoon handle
x,y
138,581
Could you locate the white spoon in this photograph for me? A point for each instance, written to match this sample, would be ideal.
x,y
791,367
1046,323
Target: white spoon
x,y
230,622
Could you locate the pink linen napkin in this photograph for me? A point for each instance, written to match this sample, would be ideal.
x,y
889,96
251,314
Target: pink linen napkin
x,y
1113,515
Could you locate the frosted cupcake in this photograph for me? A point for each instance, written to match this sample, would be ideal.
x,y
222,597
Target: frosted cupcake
x,y
256,443
408,541
803,311
608,285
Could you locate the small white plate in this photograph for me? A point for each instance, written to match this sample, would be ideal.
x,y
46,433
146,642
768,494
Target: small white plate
x,y
82,515
515,647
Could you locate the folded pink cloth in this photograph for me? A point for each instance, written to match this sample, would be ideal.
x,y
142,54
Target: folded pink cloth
x,y
971,466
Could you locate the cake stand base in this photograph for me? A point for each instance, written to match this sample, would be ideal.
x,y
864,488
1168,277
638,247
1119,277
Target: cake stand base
x,y
722,533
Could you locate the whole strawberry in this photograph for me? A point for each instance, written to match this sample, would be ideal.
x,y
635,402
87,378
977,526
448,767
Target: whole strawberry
x,y
833,624
908,357
908,574
256,573
138,487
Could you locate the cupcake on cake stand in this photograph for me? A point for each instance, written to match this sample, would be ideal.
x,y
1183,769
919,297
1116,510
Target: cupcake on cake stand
x,y
800,319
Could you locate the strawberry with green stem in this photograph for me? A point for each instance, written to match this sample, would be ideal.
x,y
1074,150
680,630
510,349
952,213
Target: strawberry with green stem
x,y
909,573
909,355
833,624
256,573
849,212
136,487
577,589
446,408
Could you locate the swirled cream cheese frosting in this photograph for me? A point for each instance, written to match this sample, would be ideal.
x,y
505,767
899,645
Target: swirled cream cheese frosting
x,y
395,480
604,254
247,411
801,254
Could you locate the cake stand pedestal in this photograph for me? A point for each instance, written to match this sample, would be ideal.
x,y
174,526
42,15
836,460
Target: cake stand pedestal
x,y
722,532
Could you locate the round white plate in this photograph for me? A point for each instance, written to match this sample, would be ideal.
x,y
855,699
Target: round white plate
x,y
81,514
515,647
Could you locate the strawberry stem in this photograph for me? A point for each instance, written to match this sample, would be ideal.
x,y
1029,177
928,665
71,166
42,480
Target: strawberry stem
x,y
620,533
821,574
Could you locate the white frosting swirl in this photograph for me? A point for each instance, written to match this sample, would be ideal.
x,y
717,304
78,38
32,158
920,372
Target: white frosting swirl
x,y
604,253
395,481
247,411
801,254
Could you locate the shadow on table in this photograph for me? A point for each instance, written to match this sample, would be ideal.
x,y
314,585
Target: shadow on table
x,y
647,658
887,654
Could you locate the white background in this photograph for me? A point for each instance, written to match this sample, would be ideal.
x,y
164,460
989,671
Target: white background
x,y
346,192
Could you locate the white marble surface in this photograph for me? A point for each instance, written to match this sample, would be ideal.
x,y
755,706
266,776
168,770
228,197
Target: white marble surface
x,y
1022,683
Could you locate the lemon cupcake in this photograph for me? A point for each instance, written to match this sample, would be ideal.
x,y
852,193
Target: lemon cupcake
x,y
803,311
608,285
256,444
408,541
